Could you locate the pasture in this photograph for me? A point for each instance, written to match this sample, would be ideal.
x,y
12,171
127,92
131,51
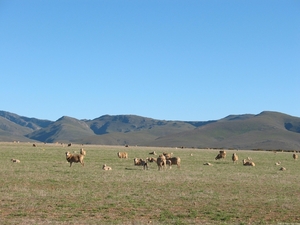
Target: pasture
x,y
44,189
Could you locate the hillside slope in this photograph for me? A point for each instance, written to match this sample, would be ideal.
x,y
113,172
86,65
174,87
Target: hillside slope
x,y
31,123
132,123
65,129
10,131
267,130
127,129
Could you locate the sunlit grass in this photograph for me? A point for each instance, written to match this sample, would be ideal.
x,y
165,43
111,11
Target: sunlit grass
x,y
43,189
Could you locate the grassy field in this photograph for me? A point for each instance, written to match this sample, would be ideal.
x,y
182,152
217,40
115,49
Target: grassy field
x,y
43,189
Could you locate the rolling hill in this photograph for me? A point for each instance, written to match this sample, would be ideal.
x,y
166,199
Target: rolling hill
x,y
267,130
65,129
14,127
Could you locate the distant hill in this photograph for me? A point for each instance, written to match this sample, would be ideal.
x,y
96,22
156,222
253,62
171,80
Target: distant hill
x,y
31,123
65,129
267,130
14,127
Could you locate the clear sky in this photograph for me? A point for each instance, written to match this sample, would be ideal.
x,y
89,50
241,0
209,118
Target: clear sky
x,y
191,60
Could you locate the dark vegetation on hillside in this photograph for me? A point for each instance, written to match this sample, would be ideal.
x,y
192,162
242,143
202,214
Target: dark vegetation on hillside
x,y
267,130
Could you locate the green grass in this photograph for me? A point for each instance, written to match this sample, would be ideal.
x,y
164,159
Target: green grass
x,y
43,189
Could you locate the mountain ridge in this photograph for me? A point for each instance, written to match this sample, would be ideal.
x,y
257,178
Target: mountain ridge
x,y
266,130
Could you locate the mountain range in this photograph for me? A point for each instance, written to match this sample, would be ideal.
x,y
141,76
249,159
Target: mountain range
x,y
267,130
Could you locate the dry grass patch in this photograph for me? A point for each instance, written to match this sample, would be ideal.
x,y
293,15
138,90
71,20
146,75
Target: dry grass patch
x,y
43,189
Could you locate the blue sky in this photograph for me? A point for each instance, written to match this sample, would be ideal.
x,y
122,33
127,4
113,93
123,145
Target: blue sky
x,y
192,60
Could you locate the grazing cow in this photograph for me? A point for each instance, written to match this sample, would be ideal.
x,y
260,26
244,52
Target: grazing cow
x,y
235,158
248,163
122,155
105,167
140,162
70,144
82,152
161,162
15,160
221,155
74,158
152,153
295,156
34,145
282,168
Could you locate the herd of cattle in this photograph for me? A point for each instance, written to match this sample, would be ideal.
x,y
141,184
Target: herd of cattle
x,y
163,161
